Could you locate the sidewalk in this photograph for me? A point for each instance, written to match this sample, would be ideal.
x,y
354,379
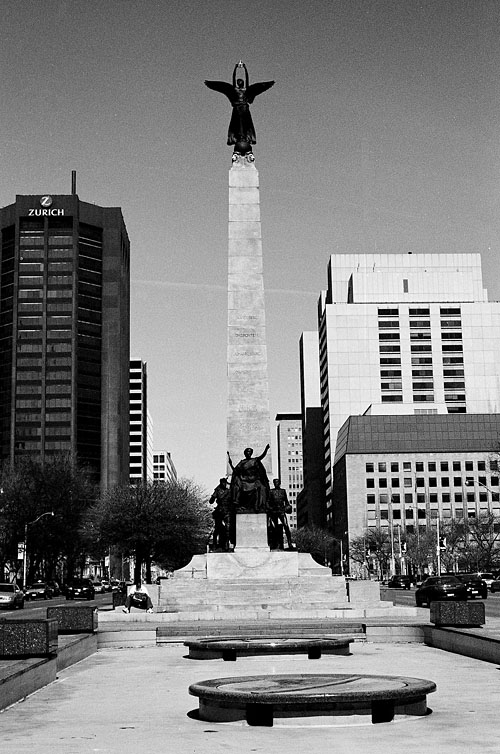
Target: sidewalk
x,y
136,700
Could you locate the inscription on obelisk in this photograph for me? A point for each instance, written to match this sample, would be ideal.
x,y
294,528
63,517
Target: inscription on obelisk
x,y
248,418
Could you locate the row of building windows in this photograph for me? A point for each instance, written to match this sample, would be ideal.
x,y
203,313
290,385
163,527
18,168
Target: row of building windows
x,y
383,466
383,482
420,499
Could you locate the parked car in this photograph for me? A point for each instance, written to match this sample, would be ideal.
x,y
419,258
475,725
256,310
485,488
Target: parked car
x,y
399,582
495,586
99,587
436,588
115,585
106,585
40,590
11,596
56,589
487,577
476,587
80,589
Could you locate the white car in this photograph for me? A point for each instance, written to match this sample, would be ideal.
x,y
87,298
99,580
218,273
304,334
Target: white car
x,y
99,587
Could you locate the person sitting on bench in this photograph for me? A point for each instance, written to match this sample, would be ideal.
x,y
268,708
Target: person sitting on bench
x,y
139,598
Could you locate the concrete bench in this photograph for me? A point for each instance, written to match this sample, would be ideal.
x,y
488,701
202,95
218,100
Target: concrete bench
x,y
229,648
457,613
74,619
264,700
36,637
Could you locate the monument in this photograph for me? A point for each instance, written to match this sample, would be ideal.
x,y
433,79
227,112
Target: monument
x,y
250,580
248,416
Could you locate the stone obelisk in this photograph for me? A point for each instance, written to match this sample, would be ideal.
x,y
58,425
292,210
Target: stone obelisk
x,y
248,418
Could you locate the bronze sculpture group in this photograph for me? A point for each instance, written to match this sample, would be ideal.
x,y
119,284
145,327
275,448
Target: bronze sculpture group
x,y
249,492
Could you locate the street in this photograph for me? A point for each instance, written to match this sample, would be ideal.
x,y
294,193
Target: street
x,y
404,597
38,608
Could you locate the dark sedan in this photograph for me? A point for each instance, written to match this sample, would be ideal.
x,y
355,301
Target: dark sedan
x,y
38,591
80,589
399,582
437,588
476,587
11,596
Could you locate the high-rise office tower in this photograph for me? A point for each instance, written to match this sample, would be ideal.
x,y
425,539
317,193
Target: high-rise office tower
x,y
289,444
311,500
141,424
163,467
64,333
405,334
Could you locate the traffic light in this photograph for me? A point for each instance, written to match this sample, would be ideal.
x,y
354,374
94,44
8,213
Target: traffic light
x,y
403,548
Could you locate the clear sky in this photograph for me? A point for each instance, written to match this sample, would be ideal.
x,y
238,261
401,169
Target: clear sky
x,y
380,135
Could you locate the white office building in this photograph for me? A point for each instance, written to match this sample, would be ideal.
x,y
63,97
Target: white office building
x,y
405,334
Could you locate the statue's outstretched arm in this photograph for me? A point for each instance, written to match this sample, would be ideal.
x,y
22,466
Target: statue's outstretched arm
x,y
264,454
229,459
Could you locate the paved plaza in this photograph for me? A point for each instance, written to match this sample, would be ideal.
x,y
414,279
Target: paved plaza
x,y
136,701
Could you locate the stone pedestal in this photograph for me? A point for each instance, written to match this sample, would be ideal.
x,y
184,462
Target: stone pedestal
x,y
248,418
251,531
74,619
34,637
457,613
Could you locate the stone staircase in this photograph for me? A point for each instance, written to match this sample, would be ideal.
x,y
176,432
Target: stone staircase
x,y
252,598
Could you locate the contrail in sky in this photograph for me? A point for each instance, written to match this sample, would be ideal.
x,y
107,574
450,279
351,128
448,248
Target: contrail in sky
x,y
214,287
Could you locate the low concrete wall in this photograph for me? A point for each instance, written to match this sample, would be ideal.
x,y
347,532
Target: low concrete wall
x,y
72,649
124,638
394,634
470,643
20,678
364,592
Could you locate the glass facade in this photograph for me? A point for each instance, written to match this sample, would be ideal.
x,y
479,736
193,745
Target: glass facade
x,y
52,359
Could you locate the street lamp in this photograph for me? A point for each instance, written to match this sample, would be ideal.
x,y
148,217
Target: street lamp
x,y
29,523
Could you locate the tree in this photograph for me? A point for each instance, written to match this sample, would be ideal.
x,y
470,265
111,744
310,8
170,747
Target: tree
x,y
320,543
32,487
421,549
483,541
166,523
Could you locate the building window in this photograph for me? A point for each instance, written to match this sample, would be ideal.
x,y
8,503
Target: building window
x,y
395,482
408,481
382,467
369,468
370,499
456,466
395,467
382,482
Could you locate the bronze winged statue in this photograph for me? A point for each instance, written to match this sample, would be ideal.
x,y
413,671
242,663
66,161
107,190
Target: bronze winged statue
x,y
241,94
